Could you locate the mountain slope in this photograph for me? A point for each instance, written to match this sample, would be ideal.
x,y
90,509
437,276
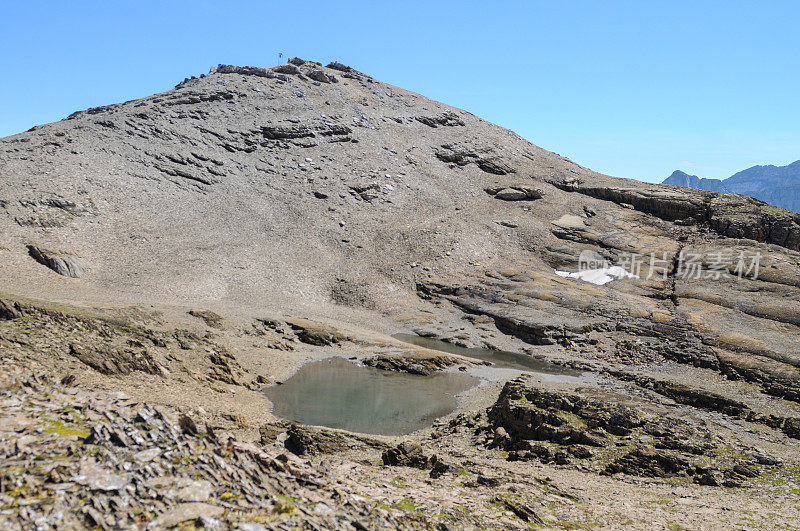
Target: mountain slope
x,y
239,187
189,248
776,185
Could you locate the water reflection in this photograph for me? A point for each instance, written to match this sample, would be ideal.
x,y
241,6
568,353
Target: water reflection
x,y
500,358
339,394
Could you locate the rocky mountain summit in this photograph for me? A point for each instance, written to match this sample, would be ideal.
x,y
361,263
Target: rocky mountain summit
x,y
164,260
776,185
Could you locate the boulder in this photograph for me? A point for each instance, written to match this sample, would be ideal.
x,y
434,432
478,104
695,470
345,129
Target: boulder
x,y
411,363
99,478
322,76
303,440
485,158
62,263
315,333
406,454
439,467
211,319
335,65
514,193
185,512
649,462
110,360
9,311
286,69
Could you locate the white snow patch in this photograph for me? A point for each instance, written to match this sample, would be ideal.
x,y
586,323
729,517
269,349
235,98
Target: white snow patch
x,y
599,277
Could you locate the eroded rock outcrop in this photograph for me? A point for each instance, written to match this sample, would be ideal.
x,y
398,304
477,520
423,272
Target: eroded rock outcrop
x,y
9,310
139,467
649,462
446,119
517,192
530,414
412,363
529,324
113,361
297,329
558,426
406,454
307,440
733,216
484,157
315,333
62,263
212,319
244,70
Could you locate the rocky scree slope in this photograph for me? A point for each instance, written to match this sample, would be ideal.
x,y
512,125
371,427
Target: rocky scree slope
x,y
299,183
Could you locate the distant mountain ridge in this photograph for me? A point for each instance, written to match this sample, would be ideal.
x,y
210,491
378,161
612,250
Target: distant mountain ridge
x,y
679,178
776,185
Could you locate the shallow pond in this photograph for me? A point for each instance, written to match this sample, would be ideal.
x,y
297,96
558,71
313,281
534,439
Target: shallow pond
x,y
499,358
339,394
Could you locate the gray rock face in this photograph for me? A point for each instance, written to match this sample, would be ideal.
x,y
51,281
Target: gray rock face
x,y
484,158
406,454
96,477
447,119
109,360
322,76
731,216
302,440
424,366
515,193
63,264
651,440
8,311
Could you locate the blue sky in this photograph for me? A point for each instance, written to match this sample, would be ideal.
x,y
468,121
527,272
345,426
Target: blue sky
x,y
632,89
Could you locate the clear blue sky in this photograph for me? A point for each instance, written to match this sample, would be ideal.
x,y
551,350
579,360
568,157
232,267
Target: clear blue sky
x,y
633,89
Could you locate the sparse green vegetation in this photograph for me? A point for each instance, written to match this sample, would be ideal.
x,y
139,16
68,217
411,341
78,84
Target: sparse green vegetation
x,y
406,504
284,505
58,427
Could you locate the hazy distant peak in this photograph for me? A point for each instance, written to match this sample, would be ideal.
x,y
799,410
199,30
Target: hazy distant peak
x,y
776,185
681,178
